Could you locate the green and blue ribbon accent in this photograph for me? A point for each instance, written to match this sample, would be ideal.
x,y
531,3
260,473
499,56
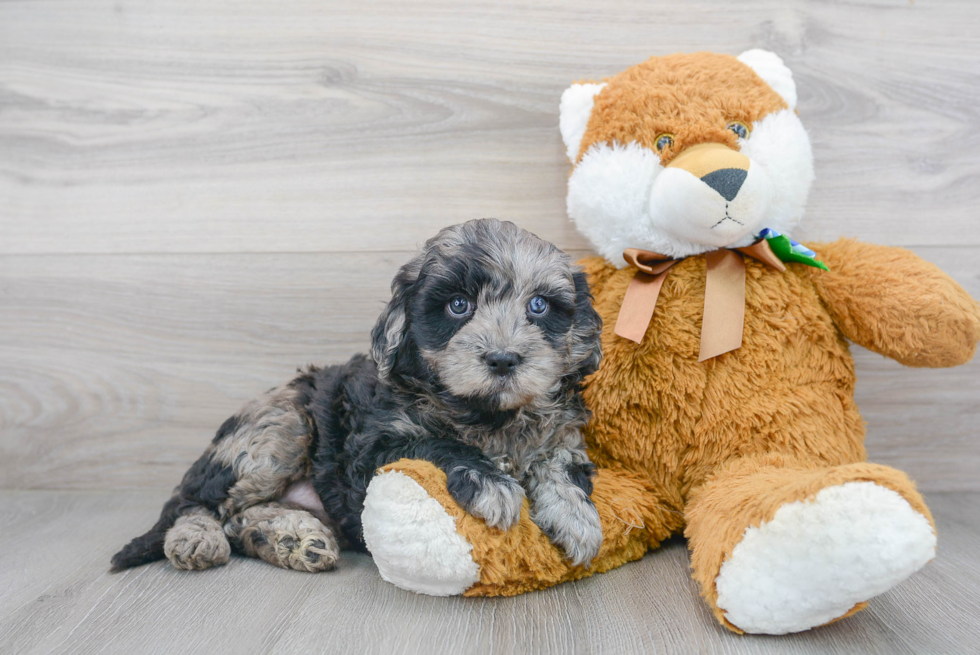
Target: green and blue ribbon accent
x,y
790,251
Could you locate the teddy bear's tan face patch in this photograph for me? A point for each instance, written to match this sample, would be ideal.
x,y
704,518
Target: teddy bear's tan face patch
x,y
691,98
685,154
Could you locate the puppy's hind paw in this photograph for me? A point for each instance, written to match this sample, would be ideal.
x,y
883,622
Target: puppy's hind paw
x,y
196,542
314,551
288,538
494,497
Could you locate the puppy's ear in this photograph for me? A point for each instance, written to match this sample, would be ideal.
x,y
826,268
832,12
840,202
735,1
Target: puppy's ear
x,y
389,332
586,329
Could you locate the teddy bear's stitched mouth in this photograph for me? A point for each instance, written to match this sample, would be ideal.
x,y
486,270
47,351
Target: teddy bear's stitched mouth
x,y
727,218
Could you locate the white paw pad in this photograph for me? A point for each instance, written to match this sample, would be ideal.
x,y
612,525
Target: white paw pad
x,y
818,558
413,540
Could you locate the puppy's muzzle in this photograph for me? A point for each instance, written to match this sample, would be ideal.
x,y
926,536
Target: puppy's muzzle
x,y
502,362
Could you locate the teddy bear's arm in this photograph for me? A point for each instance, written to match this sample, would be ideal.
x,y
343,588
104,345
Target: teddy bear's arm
x,y
892,302
422,540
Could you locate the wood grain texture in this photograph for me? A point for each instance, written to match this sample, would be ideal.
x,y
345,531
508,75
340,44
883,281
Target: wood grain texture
x,y
57,597
197,197
137,126
115,370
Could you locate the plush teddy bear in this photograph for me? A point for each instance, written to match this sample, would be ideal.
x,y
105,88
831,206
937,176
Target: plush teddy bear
x,y
724,407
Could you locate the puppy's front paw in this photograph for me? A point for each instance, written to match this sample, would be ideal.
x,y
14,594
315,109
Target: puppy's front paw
x,y
571,522
494,497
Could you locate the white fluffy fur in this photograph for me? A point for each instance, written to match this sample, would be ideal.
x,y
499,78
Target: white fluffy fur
x,y
816,559
619,196
779,144
608,193
771,68
690,212
573,114
413,540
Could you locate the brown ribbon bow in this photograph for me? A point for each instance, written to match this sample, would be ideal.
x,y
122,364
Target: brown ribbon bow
x,y
724,295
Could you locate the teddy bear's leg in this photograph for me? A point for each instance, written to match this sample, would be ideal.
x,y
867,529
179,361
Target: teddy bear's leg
x,y
423,541
780,545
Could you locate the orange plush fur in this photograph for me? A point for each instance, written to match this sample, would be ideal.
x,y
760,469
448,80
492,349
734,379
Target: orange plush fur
x,y
690,98
712,448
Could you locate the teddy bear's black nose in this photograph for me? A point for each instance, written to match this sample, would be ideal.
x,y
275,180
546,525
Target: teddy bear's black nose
x,y
726,181
502,362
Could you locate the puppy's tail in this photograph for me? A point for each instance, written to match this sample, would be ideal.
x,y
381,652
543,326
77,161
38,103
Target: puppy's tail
x,y
148,547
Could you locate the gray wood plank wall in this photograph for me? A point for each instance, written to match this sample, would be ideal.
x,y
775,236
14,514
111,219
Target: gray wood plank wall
x,y
195,198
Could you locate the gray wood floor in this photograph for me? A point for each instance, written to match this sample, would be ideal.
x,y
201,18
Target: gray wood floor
x,y
58,597
197,197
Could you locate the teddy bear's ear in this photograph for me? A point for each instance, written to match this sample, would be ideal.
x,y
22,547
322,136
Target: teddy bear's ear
x,y
771,68
574,111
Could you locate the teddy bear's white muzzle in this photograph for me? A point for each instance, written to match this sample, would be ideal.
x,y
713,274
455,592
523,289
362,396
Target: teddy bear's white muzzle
x,y
722,208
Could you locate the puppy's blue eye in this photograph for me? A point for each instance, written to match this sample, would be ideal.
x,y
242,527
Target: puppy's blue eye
x,y
458,306
537,306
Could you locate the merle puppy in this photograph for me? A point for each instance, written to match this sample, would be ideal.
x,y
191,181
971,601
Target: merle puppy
x,y
475,366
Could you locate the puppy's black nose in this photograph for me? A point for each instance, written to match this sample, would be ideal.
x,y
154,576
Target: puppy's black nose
x,y
726,181
502,362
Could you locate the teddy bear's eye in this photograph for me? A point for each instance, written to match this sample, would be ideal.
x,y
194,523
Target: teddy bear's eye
x,y
739,128
664,141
